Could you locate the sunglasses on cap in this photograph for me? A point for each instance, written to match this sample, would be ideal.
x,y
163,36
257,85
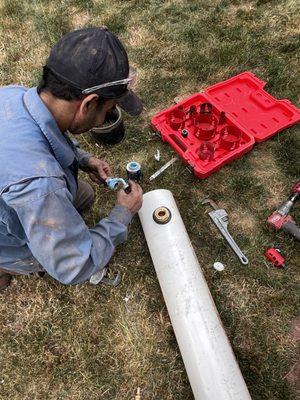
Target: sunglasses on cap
x,y
129,82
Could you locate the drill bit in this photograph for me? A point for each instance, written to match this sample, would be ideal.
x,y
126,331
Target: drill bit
x,y
163,168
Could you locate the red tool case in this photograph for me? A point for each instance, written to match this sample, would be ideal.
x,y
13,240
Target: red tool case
x,y
213,128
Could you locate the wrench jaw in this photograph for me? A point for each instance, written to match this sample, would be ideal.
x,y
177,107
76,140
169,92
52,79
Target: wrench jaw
x,y
211,203
224,219
220,219
220,215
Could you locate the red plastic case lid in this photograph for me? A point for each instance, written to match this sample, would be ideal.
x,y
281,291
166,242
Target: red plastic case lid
x,y
256,110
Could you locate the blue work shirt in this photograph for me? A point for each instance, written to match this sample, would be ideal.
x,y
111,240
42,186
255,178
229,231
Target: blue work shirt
x,y
39,225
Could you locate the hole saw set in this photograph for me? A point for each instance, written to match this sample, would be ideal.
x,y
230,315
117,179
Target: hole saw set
x,y
213,128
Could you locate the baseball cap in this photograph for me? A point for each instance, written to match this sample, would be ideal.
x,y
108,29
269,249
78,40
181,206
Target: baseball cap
x,y
95,61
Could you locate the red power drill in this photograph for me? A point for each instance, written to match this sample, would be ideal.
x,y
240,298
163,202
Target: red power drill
x,y
280,219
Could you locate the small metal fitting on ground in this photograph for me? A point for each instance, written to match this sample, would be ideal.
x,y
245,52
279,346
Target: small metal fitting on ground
x,y
157,155
184,133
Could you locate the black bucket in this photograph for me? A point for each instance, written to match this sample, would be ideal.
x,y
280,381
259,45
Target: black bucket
x,y
112,131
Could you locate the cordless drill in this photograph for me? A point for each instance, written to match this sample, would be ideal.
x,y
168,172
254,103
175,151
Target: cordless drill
x,y
280,219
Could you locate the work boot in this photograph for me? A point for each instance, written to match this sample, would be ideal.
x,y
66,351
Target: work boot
x,y
5,279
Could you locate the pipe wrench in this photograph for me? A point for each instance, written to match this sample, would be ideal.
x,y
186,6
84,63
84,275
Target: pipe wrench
x,y
220,218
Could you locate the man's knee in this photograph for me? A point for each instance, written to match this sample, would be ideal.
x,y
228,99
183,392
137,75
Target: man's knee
x,y
85,197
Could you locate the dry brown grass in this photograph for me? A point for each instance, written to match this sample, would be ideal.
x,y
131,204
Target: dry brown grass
x,y
267,171
87,343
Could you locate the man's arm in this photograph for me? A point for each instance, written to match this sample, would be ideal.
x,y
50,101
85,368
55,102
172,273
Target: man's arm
x,y
81,155
98,169
57,235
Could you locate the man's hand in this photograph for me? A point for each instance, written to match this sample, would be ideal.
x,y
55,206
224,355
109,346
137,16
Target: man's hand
x,y
98,170
133,200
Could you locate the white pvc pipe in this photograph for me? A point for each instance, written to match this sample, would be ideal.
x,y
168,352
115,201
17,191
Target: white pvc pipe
x,y
208,357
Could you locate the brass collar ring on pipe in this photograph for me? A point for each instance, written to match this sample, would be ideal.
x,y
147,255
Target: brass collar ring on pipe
x,y
162,215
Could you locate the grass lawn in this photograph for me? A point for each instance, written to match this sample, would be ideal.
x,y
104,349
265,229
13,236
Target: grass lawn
x,y
82,342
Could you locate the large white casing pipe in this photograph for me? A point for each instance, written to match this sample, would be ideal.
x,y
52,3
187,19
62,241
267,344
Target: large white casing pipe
x,y
207,354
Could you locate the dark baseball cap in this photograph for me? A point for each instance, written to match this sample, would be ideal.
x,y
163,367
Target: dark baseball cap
x,y
90,57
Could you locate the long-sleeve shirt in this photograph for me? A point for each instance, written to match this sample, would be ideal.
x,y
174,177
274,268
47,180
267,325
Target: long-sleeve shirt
x,y
39,225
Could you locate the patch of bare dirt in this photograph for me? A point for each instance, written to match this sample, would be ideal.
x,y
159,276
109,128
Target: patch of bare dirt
x,y
78,18
293,377
267,172
245,221
138,36
295,329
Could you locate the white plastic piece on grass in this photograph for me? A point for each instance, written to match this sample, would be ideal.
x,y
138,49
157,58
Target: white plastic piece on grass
x,y
157,155
218,266
208,358
126,300
163,168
